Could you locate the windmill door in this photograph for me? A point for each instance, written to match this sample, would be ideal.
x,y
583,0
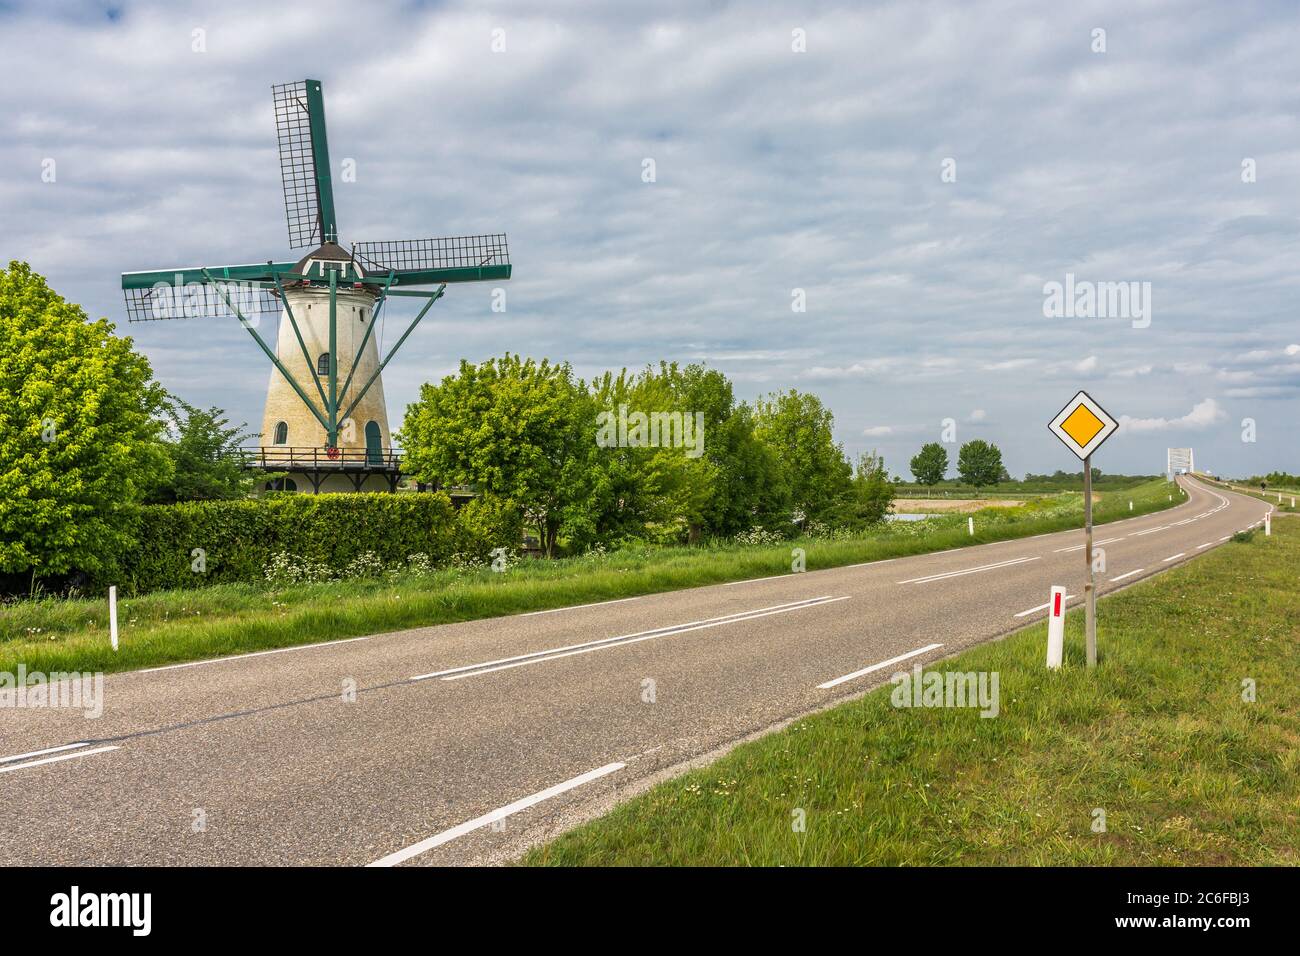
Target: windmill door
x,y
374,446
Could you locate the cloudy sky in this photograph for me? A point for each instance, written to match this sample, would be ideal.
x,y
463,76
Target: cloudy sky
x,y
922,172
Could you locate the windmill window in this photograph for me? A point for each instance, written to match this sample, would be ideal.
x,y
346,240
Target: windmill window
x,y
281,433
323,364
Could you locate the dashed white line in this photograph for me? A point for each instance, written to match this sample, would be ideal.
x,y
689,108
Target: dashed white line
x,y
240,657
469,826
1128,574
1138,534
1080,547
575,607
875,667
984,567
606,643
66,756
1174,557
770,577
1206,545
47,750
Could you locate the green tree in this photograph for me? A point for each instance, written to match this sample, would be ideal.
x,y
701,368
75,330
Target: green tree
x,y
659,482
518,429
798,429
204,455
979,463
80,432
748,487
872,494
930,464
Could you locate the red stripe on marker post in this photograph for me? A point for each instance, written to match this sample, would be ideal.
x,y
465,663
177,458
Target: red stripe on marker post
x,y
1056,604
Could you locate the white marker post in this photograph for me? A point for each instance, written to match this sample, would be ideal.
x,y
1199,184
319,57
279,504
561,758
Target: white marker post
x,y
112,615
1268,524
1055,627
1130,506
970,525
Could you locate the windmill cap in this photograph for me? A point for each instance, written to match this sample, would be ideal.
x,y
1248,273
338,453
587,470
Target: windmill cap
x,y
329,252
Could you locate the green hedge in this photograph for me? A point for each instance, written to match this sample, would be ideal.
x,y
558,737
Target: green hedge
x,y
239,537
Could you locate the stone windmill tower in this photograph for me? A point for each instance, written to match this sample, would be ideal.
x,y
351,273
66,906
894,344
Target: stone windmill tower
x,y
325,424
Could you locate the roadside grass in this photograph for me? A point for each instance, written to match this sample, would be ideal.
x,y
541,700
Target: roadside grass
x,y
1158,738
167,627
1271,496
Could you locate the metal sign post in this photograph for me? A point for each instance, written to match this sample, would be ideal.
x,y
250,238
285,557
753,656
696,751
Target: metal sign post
x,y
1082,425
1089,589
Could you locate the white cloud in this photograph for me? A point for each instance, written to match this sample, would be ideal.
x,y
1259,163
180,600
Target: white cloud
x,y
1203,414
878,431
978,415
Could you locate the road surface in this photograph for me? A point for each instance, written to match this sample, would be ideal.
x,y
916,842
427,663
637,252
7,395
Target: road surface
x,y
467,743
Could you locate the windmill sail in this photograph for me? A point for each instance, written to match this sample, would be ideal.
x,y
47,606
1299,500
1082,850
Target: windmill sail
x,y
196,292
450,259
198,301
304,163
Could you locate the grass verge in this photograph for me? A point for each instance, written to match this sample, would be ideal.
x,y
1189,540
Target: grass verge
x,y
1279,498
1158,738
175,626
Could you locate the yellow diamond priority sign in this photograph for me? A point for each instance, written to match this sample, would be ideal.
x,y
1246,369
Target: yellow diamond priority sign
x,y
1083,425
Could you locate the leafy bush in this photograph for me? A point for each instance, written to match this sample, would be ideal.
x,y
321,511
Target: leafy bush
x,y
488,522
297,538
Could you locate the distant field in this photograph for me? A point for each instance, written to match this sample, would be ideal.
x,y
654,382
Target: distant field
x,y
173,626
942,505
1158,744
1021,489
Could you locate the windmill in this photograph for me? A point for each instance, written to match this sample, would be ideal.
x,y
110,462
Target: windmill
x,y
325,419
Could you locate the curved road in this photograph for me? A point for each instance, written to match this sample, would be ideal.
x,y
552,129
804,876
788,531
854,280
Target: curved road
x,y
467,743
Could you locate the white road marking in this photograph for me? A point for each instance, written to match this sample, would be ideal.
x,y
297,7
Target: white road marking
x,y
575,607
456,832
1206,545
1138,534
984,567
1080,547
1225,537
519,660
770,577
48,750
37,763
1042,607
240,657
1174,557
1128,574
875,667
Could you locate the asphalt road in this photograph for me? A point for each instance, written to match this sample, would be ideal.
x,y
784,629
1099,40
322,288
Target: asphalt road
x,y
467,743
